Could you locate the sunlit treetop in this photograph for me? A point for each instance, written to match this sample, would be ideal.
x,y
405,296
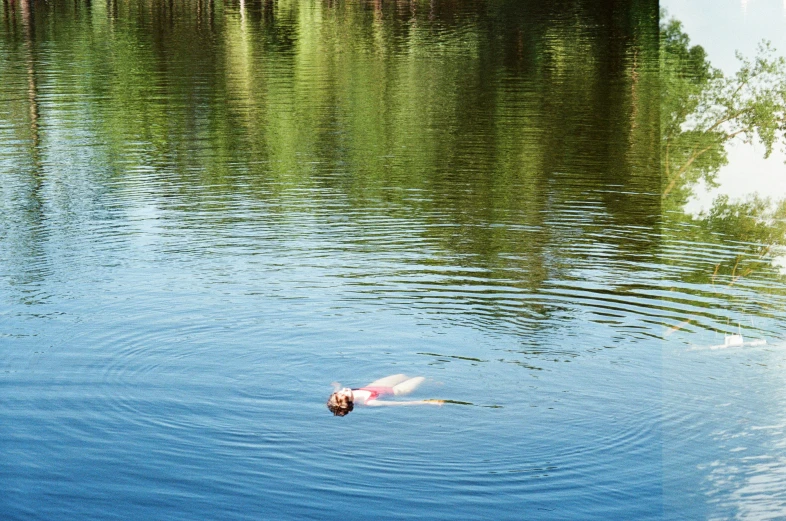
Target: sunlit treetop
x,y
702,110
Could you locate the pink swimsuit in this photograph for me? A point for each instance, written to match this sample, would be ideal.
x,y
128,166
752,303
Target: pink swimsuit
x,y
376,392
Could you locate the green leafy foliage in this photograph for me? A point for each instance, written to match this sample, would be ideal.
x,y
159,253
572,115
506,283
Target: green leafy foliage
x,y
702,110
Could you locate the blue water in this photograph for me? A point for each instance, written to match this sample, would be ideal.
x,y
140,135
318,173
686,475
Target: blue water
x,y
165,374
202,229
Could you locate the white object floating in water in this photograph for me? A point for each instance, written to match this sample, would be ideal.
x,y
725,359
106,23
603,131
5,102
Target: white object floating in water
x,y
734,340
738,341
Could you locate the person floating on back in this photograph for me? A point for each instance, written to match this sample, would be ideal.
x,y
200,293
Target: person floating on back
x,y
343,401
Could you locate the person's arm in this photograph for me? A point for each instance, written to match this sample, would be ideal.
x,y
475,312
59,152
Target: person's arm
x,y
379,403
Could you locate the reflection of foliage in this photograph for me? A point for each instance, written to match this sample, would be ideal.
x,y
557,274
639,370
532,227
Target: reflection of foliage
x,y
447,112
702,110
733,240
754,222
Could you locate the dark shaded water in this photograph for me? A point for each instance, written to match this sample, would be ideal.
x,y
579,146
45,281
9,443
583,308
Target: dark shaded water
x,y
212,211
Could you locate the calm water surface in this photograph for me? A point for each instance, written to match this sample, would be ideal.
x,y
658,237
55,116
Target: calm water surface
x,y
210,211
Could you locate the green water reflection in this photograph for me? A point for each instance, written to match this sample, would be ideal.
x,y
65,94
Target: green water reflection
x,y
350,96
479,124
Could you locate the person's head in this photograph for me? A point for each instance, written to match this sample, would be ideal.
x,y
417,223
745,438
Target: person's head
x,y
340,402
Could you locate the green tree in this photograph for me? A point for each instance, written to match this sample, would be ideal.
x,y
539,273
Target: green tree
x,y
703,110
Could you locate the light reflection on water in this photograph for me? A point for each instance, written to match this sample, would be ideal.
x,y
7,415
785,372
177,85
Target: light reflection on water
x,y
203,228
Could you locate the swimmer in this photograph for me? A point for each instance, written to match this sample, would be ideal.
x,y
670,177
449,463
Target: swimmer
x,y
343,401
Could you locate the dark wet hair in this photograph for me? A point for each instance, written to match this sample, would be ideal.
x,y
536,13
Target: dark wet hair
x,y
340,405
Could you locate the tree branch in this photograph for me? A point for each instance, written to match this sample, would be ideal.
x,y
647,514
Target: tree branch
x,y
695,155
684,167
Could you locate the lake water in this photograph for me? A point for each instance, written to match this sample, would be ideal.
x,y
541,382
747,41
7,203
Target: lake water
x,y
210,211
